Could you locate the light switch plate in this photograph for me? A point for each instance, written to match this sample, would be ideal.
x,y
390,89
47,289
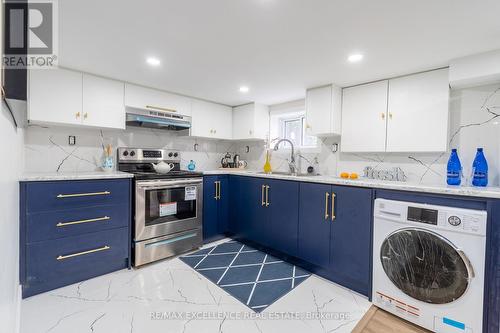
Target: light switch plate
x,y
72,140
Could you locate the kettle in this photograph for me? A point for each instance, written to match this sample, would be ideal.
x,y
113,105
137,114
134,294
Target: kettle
x,y
236,161
163,167
226,161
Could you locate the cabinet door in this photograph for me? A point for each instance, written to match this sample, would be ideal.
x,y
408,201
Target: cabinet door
x,y
147,98
314,224
103,102
350,245
210,211
253,213
318,110
243,122
260,123
364,118
211,120
221,117
418,113
223,206
283,215
55,96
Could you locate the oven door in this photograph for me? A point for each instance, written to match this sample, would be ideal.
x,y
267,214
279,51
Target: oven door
x,y
164,207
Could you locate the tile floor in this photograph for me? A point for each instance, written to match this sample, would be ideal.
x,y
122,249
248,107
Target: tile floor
x,y
169,296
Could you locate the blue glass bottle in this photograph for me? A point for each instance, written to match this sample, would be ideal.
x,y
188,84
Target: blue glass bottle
x,y
480,169
191,166
454,169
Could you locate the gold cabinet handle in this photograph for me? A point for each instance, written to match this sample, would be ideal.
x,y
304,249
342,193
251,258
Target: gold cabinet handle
x,y
78,115
267,195
218,184
64,224
216,197
85,115
390,115
262,201
382,115
326,205
104,248
333,206
62,196
160,108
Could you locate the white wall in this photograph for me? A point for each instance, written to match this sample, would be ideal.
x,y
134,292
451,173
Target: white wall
x,y
11,151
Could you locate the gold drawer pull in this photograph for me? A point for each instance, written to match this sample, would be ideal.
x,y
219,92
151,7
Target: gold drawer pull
x,y
83,253
61,196
267,195
326,205
159,108
263,202
333,206
63,224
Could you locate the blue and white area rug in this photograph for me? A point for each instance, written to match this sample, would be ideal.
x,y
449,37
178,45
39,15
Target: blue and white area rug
x,y
253,277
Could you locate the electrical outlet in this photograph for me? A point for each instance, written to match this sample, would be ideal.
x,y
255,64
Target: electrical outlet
x,y
72,140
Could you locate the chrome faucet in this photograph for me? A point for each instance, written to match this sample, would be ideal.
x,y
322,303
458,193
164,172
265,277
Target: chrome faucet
x,y
291,163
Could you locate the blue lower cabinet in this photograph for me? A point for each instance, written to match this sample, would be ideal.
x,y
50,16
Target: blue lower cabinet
x,y
283,215
314,224
56,263
251,218
71,231
215,207
350,238
65,223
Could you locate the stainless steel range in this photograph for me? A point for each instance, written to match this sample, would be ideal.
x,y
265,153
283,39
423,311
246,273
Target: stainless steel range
x,y
168,207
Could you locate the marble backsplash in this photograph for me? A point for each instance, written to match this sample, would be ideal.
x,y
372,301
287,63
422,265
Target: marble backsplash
x,y
47,148
474,122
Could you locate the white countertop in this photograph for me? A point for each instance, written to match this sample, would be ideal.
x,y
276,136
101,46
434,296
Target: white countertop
x,y
482,192
48,176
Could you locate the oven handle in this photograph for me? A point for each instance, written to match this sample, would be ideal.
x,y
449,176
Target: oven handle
x,y
165,184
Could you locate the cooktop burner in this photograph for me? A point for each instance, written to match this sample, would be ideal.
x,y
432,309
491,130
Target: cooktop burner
x,y
140,161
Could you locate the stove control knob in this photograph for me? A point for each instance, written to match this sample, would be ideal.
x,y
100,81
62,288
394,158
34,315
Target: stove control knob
x,y
170,154
132,153
176,154
125,153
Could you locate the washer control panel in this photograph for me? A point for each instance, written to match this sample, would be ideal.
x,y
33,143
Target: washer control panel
x,y
431,216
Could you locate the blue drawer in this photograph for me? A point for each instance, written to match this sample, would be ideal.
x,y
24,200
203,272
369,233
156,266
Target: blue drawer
x,y
64,223
49,196
55,263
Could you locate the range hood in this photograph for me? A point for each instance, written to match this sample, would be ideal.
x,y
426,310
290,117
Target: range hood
x,y
159,120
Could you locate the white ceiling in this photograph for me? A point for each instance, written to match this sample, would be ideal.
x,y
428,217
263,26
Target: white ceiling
x,y
209,48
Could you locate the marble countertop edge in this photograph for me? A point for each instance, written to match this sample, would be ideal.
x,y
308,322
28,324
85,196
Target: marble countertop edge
x,y
468,191
52,176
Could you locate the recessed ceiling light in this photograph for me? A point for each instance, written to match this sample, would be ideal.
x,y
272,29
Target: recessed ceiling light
x,y
153,61
244,89
355,57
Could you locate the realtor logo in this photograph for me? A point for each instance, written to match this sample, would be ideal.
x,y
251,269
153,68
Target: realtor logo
x,y
30,34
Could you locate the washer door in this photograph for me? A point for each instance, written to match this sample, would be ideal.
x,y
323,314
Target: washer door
x,y
425,266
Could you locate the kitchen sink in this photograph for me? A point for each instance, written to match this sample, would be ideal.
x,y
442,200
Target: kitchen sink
x,y
284,173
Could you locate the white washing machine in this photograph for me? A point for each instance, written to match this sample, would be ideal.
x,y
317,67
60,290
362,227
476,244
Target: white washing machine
x,y
428,264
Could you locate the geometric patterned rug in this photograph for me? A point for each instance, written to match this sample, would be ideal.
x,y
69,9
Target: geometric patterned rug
x,y
253,277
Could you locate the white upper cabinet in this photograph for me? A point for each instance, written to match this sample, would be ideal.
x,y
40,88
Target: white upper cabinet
x,y
66,97
364,110
323,111
251,122
418,113
103,102
147,98
211,120
55,96
406,114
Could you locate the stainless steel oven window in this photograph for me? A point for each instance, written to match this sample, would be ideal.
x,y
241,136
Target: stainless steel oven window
x,y
150,195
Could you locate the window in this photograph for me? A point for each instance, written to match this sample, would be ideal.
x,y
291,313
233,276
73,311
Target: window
x,y
288,121
293,128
